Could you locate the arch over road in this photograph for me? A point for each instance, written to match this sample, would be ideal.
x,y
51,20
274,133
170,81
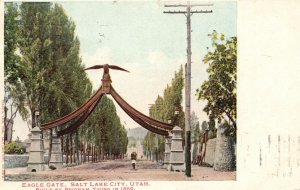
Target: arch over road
x,y
78,116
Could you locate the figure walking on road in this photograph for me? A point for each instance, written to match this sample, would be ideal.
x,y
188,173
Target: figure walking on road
x,y
133,159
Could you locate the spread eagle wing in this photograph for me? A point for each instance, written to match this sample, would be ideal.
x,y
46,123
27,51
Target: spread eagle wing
x,y
117,68
94,67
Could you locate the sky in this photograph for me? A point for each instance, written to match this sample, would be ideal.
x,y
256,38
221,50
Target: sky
x,y
139,37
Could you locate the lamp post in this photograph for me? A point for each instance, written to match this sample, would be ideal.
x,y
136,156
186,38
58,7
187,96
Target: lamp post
x,y
37,113
169,121
173,120
177,110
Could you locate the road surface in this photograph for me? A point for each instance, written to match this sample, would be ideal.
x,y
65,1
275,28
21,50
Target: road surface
x,y
116,170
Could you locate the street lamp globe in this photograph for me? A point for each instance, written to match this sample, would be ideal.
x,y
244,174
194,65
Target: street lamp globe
x,y
177,110
37,113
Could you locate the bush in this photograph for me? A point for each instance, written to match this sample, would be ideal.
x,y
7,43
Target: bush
x,y
205,164
52,167
13,148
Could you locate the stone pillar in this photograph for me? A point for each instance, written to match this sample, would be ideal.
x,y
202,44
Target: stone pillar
x,y
28,143
36,155
210,152
46,139
168,142
224,154
177,156
56,154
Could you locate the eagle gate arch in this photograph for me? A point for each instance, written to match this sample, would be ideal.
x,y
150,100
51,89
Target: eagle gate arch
x,y
79,115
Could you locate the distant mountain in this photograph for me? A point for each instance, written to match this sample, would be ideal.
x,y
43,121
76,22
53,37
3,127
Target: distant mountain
x,y
137,133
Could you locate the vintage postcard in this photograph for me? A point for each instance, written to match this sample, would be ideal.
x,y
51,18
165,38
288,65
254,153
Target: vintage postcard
x,y
142,95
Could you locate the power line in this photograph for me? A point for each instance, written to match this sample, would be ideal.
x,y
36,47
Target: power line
x,y
193,5
192,12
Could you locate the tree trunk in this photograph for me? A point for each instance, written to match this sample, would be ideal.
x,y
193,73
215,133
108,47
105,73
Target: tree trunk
x,y
95,158
84,152
62,147
12,117
231,119
71,149
77,147
5,124
92,153
67,150
81,153
95,152
88,154
205,144
50,146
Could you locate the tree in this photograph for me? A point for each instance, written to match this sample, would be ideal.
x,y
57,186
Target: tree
x,y
11,62
220,89
194,128
195,134
8,117
11,59
34,45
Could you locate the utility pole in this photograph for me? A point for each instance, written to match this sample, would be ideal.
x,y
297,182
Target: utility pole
x,y
188,13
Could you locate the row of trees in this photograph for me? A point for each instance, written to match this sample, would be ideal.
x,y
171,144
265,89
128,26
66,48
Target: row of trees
x,y
104,130
163,109
43,70
102,136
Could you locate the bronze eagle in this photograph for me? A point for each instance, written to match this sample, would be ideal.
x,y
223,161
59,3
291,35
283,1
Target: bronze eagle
x,y
106,68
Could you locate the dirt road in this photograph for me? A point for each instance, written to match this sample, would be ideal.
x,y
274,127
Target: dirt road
x,y
116,170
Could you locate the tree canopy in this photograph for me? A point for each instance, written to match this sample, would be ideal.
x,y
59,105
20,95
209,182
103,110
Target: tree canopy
x,y
220,89
47,72
10,41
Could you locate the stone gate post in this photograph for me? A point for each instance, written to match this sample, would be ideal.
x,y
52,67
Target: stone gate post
x,y
36,154
168,142
56,154
176,156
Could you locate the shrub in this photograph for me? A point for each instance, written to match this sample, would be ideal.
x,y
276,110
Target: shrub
x,y
13,148
205,164
52,167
